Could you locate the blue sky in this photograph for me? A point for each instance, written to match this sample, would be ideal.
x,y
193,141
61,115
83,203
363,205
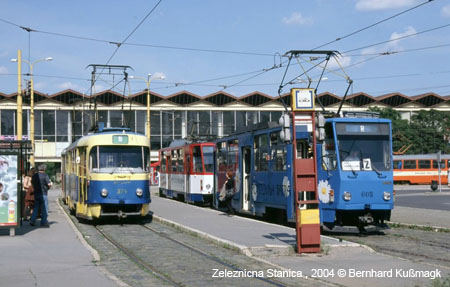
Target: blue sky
x,y
251,26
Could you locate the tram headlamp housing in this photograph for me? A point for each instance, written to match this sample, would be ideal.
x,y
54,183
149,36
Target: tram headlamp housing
x,y
139,192
386,196
208,186
347,196
104,192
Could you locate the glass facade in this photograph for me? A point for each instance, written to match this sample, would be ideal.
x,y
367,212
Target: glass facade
x,y
69,125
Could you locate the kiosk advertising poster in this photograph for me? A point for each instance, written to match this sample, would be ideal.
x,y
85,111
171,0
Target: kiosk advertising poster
x,y
9,201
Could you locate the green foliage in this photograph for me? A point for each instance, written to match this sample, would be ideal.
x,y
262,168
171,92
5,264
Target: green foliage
x,y
427,132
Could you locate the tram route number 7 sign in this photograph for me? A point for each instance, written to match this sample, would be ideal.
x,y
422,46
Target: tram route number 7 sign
x,y
302,99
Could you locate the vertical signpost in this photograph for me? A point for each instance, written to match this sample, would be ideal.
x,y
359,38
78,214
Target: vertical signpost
x,y
305,171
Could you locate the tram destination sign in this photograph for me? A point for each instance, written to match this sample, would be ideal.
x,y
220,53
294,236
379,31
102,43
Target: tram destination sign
x,y
302,99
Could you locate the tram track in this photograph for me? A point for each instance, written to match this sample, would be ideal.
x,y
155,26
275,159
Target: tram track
x,y
137,260
191,253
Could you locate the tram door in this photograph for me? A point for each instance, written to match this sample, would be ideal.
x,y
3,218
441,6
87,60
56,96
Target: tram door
x,y
246,170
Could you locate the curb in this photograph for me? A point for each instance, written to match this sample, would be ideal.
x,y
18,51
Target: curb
x,y
94,252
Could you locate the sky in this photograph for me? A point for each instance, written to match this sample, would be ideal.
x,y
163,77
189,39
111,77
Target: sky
x,y
232,46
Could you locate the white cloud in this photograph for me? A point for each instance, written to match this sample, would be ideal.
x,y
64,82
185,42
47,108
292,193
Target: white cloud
x,y
296,18
395,44
158,76
3,70
39,86
69,85
369,5
344,61
446,11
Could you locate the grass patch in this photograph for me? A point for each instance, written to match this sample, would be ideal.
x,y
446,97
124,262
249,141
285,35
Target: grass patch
x,y
419,227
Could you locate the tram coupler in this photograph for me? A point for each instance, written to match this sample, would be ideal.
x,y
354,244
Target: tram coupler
x,y
121,214
365,219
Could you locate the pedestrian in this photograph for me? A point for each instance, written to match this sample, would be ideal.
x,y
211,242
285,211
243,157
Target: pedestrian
x,y
229,191
41,184
29,193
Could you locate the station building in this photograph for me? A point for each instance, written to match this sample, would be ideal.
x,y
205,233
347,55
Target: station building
x,y
67,115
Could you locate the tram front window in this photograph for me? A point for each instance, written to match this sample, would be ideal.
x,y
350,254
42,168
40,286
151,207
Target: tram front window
x,y
208,158
364,146
119,159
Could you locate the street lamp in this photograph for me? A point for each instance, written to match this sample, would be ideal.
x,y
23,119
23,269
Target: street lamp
x,y
147,82
32,101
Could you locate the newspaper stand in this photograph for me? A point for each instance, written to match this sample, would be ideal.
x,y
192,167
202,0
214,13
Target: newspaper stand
x,y
305,171
13,163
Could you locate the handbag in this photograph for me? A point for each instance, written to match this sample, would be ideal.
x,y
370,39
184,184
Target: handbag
x,y
222,193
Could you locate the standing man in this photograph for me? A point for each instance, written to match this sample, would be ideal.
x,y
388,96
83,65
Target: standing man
x,y
41,184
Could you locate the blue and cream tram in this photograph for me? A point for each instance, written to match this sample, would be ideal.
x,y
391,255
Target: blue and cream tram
x,y
107,174
351,191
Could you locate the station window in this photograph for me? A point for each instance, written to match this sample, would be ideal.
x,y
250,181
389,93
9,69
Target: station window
x,y
410,164
424,163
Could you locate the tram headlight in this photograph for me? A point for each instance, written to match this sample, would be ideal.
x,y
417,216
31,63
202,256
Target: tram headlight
x,y
139,192
386,196
208,186
104,192
347,196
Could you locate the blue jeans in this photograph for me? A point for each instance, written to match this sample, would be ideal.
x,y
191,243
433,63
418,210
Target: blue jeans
x,y
40,202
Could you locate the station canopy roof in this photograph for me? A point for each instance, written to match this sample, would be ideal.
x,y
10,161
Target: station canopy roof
x,y
221,98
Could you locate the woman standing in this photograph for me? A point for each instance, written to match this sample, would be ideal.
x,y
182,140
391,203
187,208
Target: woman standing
x,y
229,187
29,194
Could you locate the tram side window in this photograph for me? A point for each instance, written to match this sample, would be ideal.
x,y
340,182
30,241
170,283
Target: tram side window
x,y
397,164
329,159
163,163
435,165
278,152
233,150
222,156
261,151
197,157
180,163
93,159
410,164
279,156
174,160
425,164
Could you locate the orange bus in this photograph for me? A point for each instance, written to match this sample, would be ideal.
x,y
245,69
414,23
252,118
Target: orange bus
x,y
420,168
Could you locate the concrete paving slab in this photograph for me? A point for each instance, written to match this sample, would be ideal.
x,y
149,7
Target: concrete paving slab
x,y
53,256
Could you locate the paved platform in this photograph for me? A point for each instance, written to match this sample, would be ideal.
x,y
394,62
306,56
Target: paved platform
x,y
273,244
249,235
55,256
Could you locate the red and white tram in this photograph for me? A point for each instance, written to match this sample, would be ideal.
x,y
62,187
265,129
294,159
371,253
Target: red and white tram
x,y
420,168
187,171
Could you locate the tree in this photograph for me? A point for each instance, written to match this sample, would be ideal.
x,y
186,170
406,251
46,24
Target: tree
x,y
402,135
433,129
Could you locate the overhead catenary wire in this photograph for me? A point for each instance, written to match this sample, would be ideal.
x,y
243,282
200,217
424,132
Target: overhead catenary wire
x,y
246,53
399,38
373,25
